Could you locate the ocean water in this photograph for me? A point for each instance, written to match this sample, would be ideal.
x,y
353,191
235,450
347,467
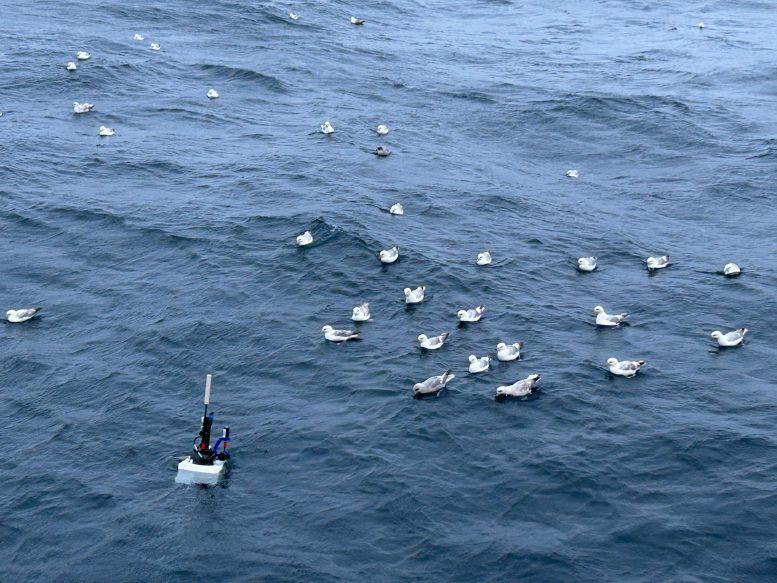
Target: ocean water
x,y
167,251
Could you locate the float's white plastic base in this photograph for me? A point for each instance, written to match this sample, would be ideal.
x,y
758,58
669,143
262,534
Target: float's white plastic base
x,y
191,473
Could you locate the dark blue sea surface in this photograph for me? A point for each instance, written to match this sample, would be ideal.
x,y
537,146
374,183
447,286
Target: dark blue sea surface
x,y
167,251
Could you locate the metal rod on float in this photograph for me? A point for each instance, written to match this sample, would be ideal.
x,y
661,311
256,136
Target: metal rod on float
x,y
206,400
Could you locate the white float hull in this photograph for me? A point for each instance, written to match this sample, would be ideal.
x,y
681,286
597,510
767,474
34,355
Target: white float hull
x,y
191,473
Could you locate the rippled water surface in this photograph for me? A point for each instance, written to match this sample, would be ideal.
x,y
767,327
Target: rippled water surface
x,y
167,251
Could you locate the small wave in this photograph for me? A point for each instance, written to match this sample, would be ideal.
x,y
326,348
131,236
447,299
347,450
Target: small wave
x,y
474,96
242,74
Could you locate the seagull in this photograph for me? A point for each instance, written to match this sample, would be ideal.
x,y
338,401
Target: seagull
x,y
654,263
572,174
293,16
82,107
381,152
83,55
478,364
484,258
605,319
339,335
155,46
22,315
432,343
361,313
433,386
731,270
71,66
327,128
389,255
355,20
106,131
304,239
700,25
586,263
522,388
382,129
397,209
624,368
415,296
213,94
138,37
470,315
506,353
733,338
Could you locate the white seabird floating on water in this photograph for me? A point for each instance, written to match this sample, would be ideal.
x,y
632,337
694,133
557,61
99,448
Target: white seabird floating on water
x,y
361,313
624,368
508,352
397,209
293,16
381,152
733,338
470,315
327,128
389,255
518,389
415,296
484,258
138,37
154,46
22,315
586,263
213,94
605,319
71,66
355,20
83,55
731,270
106,131
433,343
304,239
382,129
433,386
478,364
82,107
339,335
654,263
572,174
